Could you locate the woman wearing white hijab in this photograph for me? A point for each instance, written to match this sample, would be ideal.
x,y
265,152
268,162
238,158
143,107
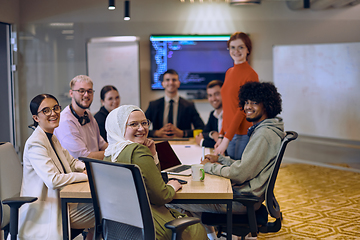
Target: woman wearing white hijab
x,y
127,130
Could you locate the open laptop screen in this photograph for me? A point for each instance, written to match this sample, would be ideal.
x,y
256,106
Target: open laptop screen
x,y
166,155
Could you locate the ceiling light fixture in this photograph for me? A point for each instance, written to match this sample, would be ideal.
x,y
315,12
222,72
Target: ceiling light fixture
x,y
114,39
245,2
127,10
306,3
111,5
59,24
67,32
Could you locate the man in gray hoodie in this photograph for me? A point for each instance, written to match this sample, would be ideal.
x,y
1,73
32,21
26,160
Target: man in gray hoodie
x,y
261,103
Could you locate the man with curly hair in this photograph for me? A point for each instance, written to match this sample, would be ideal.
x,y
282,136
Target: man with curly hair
x,y
261,103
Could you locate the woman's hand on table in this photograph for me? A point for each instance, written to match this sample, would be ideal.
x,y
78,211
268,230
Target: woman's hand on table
x,y
175,184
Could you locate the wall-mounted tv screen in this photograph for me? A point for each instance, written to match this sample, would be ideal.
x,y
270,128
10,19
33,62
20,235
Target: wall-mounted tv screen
x,y
198,59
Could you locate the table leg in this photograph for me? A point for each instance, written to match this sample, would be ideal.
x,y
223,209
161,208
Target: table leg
x,y
229,220
65,222
65,216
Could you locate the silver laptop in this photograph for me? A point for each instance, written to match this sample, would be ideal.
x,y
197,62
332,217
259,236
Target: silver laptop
x,y
169,161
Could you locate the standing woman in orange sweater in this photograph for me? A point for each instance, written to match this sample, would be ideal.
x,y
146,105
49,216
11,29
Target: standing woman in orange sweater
x,y
233,135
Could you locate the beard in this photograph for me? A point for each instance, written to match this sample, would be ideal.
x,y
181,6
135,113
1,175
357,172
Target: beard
x,y
82,106
255,119
218,107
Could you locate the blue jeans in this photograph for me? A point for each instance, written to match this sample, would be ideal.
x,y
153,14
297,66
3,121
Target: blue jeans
x,y
237,146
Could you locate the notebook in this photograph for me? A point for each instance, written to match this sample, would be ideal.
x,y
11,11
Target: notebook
x,y
169,161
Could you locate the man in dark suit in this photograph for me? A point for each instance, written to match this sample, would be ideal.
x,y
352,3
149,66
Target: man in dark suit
x,y
172,116
210,134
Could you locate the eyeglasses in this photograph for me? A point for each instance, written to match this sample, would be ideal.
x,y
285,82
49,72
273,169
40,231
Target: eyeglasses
x,y
83,91
136,125
47,111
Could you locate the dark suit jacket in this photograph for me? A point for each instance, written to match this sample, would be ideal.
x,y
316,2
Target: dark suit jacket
x,y
186,116
212,125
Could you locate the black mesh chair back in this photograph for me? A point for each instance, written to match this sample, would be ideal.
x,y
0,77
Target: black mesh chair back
x,y
271,203
255,221
121,205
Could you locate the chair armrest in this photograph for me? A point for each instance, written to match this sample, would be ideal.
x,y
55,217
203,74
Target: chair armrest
x,y
17,202
246,198
180,224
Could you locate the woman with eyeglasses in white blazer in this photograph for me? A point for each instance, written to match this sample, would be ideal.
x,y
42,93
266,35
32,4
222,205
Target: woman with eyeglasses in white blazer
x,y
47,168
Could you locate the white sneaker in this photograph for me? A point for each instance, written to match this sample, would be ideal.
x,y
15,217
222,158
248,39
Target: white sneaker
x,y
233,237
249,237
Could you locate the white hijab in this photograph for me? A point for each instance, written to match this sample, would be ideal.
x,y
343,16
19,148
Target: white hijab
x,y
115,126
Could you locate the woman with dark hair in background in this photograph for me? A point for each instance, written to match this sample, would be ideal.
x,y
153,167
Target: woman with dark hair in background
x,y
233,135
47,167
110,99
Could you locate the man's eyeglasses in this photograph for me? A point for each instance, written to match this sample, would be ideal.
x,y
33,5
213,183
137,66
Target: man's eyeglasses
x,y
83,91
136,125
47,111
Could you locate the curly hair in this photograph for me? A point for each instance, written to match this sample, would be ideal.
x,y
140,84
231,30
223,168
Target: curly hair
x,y
265,93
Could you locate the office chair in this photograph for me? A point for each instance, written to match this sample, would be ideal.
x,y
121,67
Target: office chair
x,y
121,204
255,221
10,185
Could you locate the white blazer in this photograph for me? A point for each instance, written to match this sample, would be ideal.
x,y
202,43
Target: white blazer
x,y
43,177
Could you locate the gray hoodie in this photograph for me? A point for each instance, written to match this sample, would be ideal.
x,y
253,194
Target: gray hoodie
x,y
252,172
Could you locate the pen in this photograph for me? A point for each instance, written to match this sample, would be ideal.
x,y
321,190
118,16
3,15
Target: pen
x,y
203,153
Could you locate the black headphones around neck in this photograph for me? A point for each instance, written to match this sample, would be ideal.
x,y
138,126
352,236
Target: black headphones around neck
x,y
82,120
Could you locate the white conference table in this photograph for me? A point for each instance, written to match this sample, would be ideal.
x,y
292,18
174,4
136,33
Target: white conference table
x,y
213,190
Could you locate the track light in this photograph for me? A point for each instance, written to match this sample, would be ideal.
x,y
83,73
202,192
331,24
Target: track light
x,y
127,10
306,3
111,5
245,2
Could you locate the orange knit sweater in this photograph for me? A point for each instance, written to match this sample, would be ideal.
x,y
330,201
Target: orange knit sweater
x,y
234,121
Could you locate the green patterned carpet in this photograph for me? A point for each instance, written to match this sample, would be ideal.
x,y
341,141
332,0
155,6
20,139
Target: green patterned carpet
x,y
317,203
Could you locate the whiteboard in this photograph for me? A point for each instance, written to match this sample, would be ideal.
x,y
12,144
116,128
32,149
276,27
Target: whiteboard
x,y
320,88
114,61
